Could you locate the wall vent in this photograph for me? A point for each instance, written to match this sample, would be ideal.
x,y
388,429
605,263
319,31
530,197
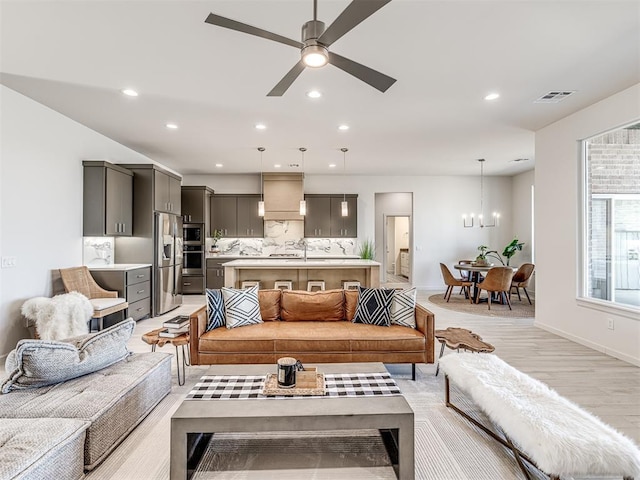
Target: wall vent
x,y
554,96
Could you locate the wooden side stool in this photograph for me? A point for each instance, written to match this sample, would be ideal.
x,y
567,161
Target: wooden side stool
x,y
153,339
460,338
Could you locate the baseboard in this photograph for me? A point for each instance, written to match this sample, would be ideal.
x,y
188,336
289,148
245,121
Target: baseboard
x,y
587,343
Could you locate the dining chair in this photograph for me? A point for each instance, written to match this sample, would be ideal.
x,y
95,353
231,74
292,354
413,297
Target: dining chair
x,y
104,302
450,281
521,280
497,280
465,274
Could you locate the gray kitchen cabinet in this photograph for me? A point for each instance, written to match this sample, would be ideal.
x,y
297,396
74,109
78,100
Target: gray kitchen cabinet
x,y
193,285
134,284
236,215
107,200
168,192
214,274
249,223
317,221
195,204
224,210
342,227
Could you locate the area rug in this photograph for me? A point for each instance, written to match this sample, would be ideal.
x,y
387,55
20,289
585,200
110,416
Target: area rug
x,y
519,309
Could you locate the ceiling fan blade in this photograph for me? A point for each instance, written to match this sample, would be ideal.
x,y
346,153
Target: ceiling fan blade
x,y
219,21
377,80
287,80
356,12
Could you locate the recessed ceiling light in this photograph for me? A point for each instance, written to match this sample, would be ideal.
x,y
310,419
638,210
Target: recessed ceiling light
x,y
260,126
492,96
314,94
277,165
130,92
343,127
172,126
332,165
219,165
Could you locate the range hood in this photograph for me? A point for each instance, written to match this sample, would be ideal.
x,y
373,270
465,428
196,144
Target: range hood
x,y
282,195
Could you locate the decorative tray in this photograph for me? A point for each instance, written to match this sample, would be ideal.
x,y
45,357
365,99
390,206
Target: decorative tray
x,y
308,382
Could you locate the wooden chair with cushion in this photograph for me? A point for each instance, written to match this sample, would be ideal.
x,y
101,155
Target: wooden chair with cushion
x,y
498,280
521,280
450,281
104,302
465,274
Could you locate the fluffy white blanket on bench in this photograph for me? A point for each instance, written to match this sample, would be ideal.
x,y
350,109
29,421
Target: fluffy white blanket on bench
x,y
559,436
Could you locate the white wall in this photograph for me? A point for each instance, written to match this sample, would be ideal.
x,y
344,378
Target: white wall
x,y
41,155
557,212
522,229
438,205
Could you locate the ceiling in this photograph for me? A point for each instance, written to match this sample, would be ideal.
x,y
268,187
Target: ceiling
x,y
76,57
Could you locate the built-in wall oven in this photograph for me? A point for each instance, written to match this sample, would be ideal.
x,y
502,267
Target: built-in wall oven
x,y
193,233
193,249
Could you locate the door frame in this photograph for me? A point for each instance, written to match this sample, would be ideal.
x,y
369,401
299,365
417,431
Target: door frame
x,y
385,216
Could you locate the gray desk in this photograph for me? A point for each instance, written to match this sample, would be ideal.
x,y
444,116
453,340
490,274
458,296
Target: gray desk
x,y
392,415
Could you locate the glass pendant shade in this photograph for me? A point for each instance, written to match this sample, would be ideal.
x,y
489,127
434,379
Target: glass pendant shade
x,y
344,208
261,208
303,207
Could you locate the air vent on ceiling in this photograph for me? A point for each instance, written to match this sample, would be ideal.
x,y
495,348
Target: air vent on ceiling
x,y
554,97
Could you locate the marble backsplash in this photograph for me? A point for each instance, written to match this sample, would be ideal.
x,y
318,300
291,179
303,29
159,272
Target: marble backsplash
x,y
97,251
285,238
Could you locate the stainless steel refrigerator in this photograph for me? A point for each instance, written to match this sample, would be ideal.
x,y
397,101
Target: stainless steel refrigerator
x,y
168,261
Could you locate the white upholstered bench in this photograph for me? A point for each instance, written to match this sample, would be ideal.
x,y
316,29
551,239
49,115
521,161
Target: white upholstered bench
x,y
539,426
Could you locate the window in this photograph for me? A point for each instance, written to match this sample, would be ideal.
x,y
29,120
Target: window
x,y
611,263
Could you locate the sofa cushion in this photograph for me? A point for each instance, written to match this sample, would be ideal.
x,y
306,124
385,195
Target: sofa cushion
x,y
395,338
374,306
252,338
313,337
42,448
270,304
403,308
215,309
350,303
114,399
323,305
36,363
241,307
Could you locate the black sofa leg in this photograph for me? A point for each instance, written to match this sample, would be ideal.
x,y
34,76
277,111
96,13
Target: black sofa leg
x,y
413,371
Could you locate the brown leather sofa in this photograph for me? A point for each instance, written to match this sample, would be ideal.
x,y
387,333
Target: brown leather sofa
x,y
314,327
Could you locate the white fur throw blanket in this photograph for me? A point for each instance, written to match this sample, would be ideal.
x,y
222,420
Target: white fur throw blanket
x,y
559,436
60,317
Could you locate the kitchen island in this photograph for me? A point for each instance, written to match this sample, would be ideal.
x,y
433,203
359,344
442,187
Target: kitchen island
x,y
332,271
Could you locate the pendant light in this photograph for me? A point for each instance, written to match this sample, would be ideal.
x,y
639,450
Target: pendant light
x,y
495,215
344,206
261,202
303,202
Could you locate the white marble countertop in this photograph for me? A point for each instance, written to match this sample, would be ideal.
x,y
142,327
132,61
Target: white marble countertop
x,y
266,257
119,266
272,262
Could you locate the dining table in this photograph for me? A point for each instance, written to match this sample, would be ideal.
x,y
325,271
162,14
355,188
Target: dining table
x,y
475,270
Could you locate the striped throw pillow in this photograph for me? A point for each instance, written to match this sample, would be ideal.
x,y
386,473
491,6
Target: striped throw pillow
x,y
374,306
241,307
403,308
215,310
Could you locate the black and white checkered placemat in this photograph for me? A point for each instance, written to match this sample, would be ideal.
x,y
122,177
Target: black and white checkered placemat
x,y
236,387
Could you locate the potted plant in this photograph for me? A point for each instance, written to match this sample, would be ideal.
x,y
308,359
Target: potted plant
x,y
511,249
367,250
217,235
481,259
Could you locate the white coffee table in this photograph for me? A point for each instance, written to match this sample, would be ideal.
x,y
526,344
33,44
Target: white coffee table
x,y
391,415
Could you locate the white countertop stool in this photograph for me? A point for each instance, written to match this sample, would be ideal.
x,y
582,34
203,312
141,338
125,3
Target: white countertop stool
x,y
350,284
283,284
250,283
319,284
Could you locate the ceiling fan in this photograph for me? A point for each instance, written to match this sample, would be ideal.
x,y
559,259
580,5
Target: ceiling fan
x,y
314,47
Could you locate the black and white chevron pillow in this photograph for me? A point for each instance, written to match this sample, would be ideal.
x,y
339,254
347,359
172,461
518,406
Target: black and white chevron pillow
x,y
374,306
241,307
215,309
403,308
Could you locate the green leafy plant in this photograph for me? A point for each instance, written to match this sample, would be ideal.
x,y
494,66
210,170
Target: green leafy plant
x,y
367,250
511,249
216,235
482,256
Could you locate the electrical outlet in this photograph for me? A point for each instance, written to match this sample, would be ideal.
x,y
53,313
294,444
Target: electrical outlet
x,y
9,262
610,323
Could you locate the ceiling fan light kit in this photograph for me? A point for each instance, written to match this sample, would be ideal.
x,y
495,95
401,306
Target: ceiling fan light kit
x,y
314,47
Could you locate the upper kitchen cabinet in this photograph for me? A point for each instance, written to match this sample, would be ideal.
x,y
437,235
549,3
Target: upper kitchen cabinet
x,y
317,221
346,226
224,210
236,215
168,194
324,216
250,224
108,200
195,204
